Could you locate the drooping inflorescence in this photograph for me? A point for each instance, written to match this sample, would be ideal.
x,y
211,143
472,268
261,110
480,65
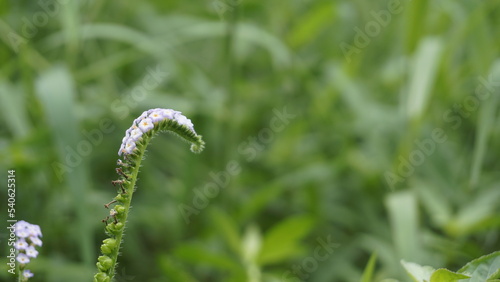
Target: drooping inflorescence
x,y
28,236
132,150
146,122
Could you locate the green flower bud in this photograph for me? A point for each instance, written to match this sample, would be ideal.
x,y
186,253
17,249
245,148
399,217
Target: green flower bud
x,y
121,198
105,249
119,226
110,242
101,277
108,246
119,209
101,267
105,262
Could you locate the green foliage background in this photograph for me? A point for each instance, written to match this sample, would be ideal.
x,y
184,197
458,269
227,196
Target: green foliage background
x,y
230,65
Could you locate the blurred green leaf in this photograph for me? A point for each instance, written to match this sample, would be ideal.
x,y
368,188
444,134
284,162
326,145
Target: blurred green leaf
x,y
424,71
486,122
312,23
13,109
251,243
199,254
282,241
173,270
369,269
56,90
474,215
403,215
445,275
483,268
417,272
228,228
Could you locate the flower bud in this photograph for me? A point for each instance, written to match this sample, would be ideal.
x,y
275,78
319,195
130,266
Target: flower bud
x,y
105,261
105,249
101,277
119,209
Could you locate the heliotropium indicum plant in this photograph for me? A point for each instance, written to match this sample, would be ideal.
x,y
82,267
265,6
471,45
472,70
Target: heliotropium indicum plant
x,y
28,238
132,149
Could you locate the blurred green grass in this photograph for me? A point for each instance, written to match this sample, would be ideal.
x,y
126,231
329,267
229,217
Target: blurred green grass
x,y
322,175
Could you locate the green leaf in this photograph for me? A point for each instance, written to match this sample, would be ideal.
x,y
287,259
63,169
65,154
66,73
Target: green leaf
x,y
403,214
426,62
312,23
282,241
483,268
56,91
445,275
368,273
417,272
474,214
13,109
228,228
196,254
495,276
251,243
174,271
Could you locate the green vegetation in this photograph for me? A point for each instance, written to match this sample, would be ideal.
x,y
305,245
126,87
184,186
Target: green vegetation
x,y
336,132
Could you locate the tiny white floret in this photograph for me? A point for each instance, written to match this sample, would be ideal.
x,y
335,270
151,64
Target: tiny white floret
x,y
21,244
136,134
146,124
31,252
36,241
156,116
22,258
129,147
27,273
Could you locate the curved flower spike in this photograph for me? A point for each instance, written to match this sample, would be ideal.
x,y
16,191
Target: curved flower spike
x,y
132,149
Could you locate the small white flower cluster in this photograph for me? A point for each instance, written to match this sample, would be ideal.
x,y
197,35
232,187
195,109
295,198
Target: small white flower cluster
x,y
28,237
146,122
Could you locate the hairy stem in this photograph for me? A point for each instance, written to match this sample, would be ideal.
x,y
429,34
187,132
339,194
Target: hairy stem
x,y
133,149
129,189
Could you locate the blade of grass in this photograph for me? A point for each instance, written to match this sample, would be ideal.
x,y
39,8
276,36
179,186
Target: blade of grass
x,y
56,93
485,124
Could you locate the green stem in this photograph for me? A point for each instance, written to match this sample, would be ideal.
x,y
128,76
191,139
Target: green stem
x,y
130,191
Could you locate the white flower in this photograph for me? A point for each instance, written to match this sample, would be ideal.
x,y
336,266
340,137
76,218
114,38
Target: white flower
x,y
156,116
22,258
168,113
129,147
35,230
22,230
121,150
21,244
135,134
150,111
182,120
27,273
146,124
31,252
140,118
36,241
